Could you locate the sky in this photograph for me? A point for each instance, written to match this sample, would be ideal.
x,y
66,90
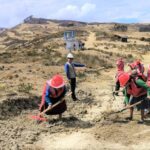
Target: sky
x,y
13,12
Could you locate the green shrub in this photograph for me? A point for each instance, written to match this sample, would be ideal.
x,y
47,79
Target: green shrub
x,y
25,88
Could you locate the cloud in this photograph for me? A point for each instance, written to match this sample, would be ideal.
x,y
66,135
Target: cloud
x,y
123,11
75,12
11,13
14,11
87,8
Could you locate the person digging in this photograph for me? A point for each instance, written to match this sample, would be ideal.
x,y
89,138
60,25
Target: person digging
x,y
139,67
120,70
139,91
53,95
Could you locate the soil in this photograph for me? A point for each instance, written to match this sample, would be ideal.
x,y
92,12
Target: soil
x,y
88,123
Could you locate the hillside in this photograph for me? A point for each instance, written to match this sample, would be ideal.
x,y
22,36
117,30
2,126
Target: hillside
x,y
2,30
31,53
33,20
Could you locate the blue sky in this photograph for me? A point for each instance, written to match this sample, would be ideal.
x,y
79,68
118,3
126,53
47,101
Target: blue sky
x,y
13,12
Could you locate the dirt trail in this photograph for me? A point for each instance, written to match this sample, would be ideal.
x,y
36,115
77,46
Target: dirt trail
x,y
91,40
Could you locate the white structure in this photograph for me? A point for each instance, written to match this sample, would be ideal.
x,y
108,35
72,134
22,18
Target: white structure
x,y
71,42
69,35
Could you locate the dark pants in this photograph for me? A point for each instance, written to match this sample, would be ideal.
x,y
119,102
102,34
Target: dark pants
x,y
117,86
59,109
73,87
143,105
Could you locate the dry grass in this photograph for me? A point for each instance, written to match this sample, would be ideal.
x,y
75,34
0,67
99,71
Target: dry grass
x,y
25,88
93,61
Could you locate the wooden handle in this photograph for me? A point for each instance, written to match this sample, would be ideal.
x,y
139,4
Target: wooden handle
x,y
127,107
59,102
48,109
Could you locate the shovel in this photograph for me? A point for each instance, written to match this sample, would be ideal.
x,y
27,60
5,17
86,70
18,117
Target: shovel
x,y
127,107
39,118
59,102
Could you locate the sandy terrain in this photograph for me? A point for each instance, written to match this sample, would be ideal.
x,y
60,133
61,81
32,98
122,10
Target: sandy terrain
x,y
88,123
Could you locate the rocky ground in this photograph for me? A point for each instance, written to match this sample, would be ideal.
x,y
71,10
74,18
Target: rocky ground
x,y
88,123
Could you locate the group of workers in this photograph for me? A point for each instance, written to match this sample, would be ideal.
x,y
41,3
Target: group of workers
x,y
135,84
136,87
55,90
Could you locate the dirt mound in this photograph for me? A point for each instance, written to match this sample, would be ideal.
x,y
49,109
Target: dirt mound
x,y
14,106
22,131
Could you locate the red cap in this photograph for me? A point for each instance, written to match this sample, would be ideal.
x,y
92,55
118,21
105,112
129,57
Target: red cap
x,y
120,64
132,65
57,81
138,62
124,78
119,61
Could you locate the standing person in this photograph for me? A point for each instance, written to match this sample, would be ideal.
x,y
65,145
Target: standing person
x,y
80,45
54,91
132,66
148,76
139,67
120,70
71,74
139,91
74,46
148,84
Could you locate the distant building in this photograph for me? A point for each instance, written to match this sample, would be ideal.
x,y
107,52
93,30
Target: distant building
x,y
124,39
71,42
120,38
120,27
145,28
70,34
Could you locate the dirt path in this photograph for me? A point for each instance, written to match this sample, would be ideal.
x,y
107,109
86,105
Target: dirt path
x,y
91,40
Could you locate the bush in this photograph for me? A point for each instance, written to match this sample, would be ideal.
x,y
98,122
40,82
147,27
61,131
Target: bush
x,y
81,75
25,88
32,53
